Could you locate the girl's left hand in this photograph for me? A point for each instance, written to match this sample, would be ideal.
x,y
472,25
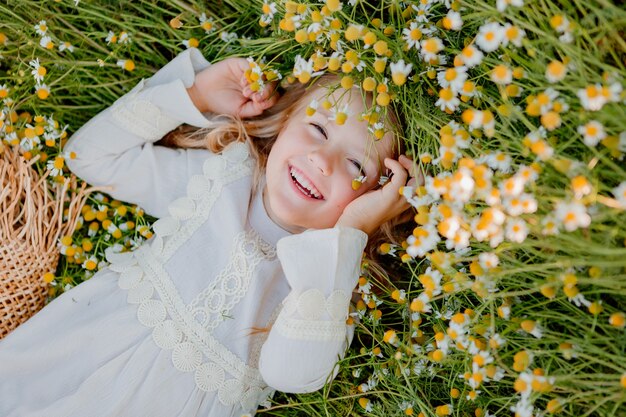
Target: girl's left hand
x,y
370,210
222,88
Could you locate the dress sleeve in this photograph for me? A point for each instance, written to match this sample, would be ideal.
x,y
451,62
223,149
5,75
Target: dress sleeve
x,y
116,147
310,334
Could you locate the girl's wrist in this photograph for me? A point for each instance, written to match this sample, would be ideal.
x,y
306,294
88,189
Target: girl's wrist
x,y
195,99
347,222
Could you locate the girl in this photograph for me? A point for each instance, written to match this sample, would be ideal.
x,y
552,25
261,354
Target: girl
x,y
273,240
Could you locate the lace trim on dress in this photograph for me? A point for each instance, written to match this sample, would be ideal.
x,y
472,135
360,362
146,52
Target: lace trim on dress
x,y
312,305
311,330
214,303
193,347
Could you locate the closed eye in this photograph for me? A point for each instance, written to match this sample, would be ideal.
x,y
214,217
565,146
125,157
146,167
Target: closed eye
x,y
320,129
357,164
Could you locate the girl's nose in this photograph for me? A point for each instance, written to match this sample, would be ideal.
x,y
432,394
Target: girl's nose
x,y
322,161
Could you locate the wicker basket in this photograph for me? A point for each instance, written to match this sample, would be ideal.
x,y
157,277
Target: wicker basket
x,y
31,223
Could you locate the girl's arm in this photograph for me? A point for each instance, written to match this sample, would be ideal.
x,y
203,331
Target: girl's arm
x,y
310,334
116,148
322,267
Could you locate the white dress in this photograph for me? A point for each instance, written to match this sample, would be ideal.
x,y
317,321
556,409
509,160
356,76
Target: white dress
x,y
165,330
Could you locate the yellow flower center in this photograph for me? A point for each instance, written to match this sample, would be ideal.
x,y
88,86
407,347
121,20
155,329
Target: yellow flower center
x,y
500,72
415,34
556,69
42,93
591,130
450,74
446,94
431,46
59,161
512,33
592,91
129,65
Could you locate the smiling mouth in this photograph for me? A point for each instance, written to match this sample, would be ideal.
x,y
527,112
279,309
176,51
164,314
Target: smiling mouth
x,y
304,185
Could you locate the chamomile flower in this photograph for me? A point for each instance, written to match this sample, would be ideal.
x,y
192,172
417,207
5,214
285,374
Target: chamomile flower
x,y
46,42
400,72
43,91
66,46
448,100
512,34
580,186
56,165
572,215
501,74
90,263
562,25
592,133
38,71
303,69
591,97
124,38
454,78
488,260
4,93
366,404
556,71
412,35
126,64
421,304
532,327
111,38
358,181
431,48
490,36
471,56
206,23
312,107
340,115
516,230
191,43
423,240
452,20
512,186
423,9
41,28
269,10
473,118
498,161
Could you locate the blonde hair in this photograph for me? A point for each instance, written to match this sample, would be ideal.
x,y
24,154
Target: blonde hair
x,y
261,132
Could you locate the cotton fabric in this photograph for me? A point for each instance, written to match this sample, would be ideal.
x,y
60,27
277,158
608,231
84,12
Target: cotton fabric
x,y
165,330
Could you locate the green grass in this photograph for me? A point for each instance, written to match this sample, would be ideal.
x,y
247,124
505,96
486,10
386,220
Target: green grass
x,y
580,353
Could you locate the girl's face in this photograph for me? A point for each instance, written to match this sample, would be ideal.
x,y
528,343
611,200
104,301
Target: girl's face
x,y
311,165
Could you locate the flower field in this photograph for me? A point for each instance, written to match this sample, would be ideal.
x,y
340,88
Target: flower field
x,y
509,288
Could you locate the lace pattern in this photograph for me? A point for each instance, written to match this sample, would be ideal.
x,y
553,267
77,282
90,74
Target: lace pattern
x,y
311,305
217,300
174,325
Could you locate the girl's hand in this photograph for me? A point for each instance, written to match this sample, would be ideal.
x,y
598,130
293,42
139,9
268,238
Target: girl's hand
x,y
222,88
370,210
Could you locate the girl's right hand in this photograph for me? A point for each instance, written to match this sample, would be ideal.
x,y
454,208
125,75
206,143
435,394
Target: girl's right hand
x,y
375,207
222,88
